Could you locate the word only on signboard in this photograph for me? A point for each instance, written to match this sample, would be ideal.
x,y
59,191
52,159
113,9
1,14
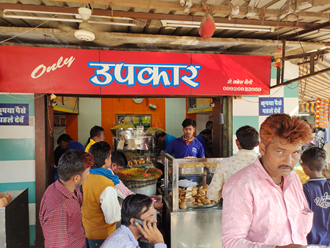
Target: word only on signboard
x,y
144,74
271,105
14,114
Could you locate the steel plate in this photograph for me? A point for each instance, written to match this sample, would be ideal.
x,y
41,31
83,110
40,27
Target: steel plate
x,y
204,206
191,170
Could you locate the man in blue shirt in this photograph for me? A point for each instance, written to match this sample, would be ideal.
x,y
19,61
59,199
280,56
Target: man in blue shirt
x,y
164,137
317,192
136,208
204,137
187,145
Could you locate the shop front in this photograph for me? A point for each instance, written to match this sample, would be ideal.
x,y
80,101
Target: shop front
x,y
114,77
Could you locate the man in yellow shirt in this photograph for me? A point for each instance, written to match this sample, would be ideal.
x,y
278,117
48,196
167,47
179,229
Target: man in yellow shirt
x,y
100,208
96,135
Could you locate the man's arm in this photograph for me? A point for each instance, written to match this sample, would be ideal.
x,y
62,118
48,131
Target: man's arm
x,y
55,229
214,190
110,205
123,190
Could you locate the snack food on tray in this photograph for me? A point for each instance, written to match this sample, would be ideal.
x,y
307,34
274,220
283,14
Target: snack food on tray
x,y
132,155
123,125
136,162
211,164
139,173
190,165
153,130
194,196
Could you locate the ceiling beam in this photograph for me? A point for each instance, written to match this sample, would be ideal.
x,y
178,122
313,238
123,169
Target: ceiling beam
x,y
216,9
158,16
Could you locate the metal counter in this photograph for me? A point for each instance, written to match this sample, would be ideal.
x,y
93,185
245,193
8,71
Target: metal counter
x,y
191,227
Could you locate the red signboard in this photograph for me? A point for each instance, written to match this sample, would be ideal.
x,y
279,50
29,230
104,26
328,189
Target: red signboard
x,y
92,72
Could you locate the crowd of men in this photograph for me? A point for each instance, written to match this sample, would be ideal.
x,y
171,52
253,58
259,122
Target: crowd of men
x,y
264,203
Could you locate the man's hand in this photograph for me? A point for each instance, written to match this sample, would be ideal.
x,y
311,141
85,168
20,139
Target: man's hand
x,y
290,246
151,232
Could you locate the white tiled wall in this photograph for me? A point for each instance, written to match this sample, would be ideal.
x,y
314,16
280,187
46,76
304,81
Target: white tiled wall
x,y
89,116
175,113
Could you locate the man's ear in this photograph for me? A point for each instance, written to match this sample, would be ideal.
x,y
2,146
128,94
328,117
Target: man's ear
x,y
75,178
325,169
262,148
238,145
131,220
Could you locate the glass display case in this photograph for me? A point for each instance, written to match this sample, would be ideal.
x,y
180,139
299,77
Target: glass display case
x,y
186,204
138,146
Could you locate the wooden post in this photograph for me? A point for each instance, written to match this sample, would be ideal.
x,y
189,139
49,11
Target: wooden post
x,y
227,126
44,153
40,158
217,128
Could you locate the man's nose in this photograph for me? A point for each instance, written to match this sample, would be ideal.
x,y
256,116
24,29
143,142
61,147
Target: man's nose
x,y
288,159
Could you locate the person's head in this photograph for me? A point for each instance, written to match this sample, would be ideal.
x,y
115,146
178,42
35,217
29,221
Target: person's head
x,y
74,165
189,127
206,133
247,138
118,162
97,133
102,155
64,140
160,135
313,159
209,125
281,138
137,207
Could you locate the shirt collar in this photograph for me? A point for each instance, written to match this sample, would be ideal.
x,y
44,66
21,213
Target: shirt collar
x,y
130,235
245,152
264,175
316,179
64,190
187,141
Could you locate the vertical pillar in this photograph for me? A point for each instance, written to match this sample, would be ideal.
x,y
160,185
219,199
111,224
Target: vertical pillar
x,y
40,158
44,153
217,128
227,126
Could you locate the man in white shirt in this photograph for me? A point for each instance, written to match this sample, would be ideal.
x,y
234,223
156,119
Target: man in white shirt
x,y
247,140
136,208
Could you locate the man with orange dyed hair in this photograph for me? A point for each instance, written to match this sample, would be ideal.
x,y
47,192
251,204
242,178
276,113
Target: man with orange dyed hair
x,y
264,204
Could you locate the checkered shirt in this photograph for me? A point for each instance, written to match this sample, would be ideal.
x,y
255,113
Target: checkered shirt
x,y
60,217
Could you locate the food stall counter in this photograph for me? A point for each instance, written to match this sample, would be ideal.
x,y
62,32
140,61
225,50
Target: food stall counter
x,y
195,225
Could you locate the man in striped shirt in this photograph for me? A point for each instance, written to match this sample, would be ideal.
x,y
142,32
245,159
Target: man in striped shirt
x,y
60,208
118,163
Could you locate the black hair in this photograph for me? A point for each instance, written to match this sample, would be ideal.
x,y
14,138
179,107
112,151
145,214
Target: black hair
x,y
209,123
132,207
189,122
119,158
65,137
95,131
248,137
73,162
206,132
314,158
101,152
160,134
